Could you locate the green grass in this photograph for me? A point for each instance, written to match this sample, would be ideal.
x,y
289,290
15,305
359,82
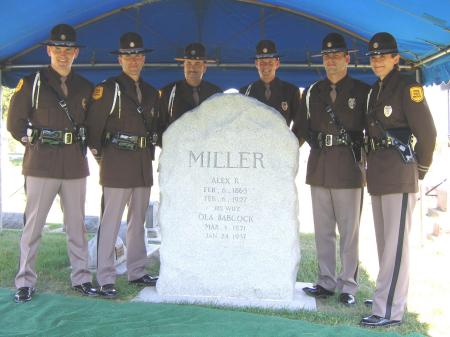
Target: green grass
x,y
52,226
52,266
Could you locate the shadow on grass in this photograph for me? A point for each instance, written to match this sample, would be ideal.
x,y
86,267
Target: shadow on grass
x,y
53,270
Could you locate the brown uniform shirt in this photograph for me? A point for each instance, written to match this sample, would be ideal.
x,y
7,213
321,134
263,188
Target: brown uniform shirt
x,y
43,160
177,98
401,104
285,97
118,167
333,167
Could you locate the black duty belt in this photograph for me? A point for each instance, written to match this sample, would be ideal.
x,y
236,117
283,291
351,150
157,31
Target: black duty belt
x,y
376,144
391,138
328,140
402,146
348,138
51,137
126,141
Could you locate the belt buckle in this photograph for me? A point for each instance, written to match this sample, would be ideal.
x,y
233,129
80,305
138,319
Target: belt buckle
x,y
142,142
68,138
328,140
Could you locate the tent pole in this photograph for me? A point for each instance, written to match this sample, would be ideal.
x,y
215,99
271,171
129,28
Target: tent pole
x,y
1,152
179,65
418,76
433,57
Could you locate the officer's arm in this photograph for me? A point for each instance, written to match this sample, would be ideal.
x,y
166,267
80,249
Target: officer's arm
x,y
422,126
364,98
97,115
218,90
163,104
20,110
300,127
155,125
294,106
243,90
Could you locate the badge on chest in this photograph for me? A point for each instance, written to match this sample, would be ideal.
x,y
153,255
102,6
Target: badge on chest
x,y
387,110
352,103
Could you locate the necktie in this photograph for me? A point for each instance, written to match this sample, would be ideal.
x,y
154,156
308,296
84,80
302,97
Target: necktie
x,y
138,92
64,86
195,96
333,92
380,84
267,92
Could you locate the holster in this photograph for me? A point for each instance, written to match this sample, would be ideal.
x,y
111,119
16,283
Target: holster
x,y
398,139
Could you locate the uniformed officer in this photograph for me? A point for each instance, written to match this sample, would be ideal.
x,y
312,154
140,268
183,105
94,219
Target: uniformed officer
x,y
121,122
396,110
184,95
331,120
269,89
46,115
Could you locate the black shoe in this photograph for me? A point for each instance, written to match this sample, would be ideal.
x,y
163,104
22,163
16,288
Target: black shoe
x,y
368,303
347,299
108,291
318,291
86,289
24,294
146,280
374,321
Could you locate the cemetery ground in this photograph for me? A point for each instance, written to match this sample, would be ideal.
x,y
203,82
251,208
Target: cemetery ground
x,y
53,277
429,295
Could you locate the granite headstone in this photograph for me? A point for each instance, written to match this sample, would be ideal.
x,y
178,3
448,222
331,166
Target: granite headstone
x,y
229,204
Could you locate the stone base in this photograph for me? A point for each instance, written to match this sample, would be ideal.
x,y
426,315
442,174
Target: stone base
x,y
300,302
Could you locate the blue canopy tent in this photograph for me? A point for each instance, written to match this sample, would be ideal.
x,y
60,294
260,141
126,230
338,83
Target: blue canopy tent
x,y
229,29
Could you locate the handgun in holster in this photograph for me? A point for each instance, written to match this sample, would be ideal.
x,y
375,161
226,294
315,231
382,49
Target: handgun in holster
x,y
82,139
404,149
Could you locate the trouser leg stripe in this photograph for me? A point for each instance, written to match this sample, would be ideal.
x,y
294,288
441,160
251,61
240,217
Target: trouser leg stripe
x,y
398,256
355,277
102,209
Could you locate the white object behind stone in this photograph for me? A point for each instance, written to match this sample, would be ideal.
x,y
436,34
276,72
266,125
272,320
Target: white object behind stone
x,y
120,255
229,205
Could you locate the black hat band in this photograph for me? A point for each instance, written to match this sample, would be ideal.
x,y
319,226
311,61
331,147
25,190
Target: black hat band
x,y
132,51
334,50
61,43
266,56
382,51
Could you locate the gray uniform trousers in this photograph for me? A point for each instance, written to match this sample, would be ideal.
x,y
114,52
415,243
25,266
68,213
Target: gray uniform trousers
x,y
341,207
115,200
40,195
392,215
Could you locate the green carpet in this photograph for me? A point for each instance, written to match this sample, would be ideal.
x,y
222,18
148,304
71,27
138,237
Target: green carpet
x,y
56,315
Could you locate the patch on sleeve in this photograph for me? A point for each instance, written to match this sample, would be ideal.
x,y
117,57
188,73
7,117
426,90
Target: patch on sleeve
x,y
416,94
98,92
19,85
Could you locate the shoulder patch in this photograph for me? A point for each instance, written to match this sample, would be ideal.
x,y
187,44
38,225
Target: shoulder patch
x,y
416,94
19,85
98,92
